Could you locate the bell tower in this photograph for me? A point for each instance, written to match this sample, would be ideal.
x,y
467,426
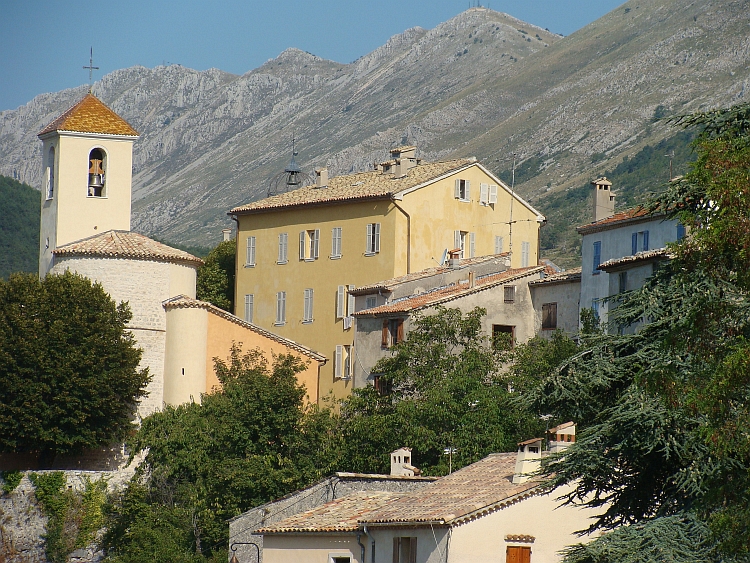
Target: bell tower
x,y
87,164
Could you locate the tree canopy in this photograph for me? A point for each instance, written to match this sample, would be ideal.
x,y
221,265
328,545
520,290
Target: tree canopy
x,y
215,282
68,364
664,411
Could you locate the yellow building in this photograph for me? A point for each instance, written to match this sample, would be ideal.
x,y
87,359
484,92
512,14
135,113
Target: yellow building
x,y
300,252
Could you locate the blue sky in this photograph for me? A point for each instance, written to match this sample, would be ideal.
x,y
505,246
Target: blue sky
x,y
45,44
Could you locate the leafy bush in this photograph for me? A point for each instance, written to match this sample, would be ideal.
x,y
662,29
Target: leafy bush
x,y
11,480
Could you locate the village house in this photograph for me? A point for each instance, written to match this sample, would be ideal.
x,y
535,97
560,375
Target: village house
x,y
555,299
493,510
301,254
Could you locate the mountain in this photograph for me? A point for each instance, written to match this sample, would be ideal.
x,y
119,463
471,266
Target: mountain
x,y
19,227
482,84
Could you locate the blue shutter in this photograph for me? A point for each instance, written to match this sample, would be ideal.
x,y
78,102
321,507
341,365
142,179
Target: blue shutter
x,y
597,256
680,231
645,240
634,244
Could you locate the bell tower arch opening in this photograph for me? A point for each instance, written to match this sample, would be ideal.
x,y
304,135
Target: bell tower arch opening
x,y
97,173
51,172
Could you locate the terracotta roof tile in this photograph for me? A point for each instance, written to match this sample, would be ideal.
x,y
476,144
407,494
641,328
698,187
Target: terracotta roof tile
x,y
449,293
125,244
340,515
645,256
352,187
185,302
568,276
639,213
389,285
481,487
90,115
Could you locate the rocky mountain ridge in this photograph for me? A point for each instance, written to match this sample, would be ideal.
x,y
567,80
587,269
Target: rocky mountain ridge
x,y
482,84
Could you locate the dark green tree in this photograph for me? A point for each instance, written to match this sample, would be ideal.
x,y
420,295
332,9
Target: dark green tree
x,y
253,441
215,282
449,390
663,448
68,366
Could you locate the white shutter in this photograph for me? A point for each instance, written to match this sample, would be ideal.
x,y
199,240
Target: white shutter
x,y
472,245
524,254
338,371
457,190
468,190
308,312
336,242
369,247
456,239
350,302
302,245
347,352
493,194
316,243
250,252
281,249
249,307
498,244
340,303
377,237
483,193
286,246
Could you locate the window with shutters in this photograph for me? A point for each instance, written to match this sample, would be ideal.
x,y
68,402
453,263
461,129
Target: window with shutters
x,y
307,316
382,385
336,242
517,554
634,244
484,194
498,244
249,307
51,173
309,245
509,294
503,337
372,245
639,242
283,248
597,258
371,301
345,302
462,190
644,240
462,240
343,362
250,252
493,194
549,316
622,279
525,254
472,245
405,550
392,332
280,308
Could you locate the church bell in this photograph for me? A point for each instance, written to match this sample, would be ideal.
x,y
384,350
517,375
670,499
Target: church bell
x,y
96,177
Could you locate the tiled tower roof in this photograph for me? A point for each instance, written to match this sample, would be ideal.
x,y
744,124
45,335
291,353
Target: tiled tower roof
x,y
90,115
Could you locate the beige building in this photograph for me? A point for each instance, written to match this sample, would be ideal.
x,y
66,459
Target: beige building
x,y
300,254
479,513
85,228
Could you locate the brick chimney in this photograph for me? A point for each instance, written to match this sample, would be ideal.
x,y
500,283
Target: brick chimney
x,y
528,460
604,199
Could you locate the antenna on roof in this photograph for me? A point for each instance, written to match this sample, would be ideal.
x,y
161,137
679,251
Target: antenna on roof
x,y
91,67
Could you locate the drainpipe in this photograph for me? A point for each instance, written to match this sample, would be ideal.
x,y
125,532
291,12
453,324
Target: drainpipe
x,y
408,237
361,546
372,545
237,261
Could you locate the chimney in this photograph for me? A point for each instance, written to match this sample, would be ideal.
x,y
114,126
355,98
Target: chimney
x,y
604,199
227,234
321,177
562,436
528,460
454,262
472,281
405,158
401,463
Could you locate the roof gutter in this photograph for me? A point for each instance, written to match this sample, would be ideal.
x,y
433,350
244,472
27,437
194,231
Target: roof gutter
x,y
408,236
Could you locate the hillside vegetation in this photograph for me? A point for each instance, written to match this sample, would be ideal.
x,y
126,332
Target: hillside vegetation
x,y
19,227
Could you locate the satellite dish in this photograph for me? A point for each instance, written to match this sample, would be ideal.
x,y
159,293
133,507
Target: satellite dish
x,y
444,258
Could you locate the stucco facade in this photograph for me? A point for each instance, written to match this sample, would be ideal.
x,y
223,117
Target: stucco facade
x,y
418,218
561,292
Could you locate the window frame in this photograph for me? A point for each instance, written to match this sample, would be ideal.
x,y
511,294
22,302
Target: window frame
x,y
597,258
249,307
499,242
307,307
336,243
280,308
51,173
372,240
462,190
549,310
283,255
250,252
342,368
525,254
509,294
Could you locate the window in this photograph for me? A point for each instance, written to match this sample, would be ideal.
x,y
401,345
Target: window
x,y
51,173
393,332
597,257
487,194
640,241
680,231
462,190
340,559
280,308
283,248
634,244
307,316
525,254
309,244
509,294
503,336
645,241
498,245
405,550
462,239
622,279
382,385
342,367
549,316
595,308
345,304
371,301
336,242
517,554
493,194
373,239
249,307
250,253
97,173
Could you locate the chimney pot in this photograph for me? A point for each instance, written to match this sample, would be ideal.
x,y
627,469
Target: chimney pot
x,y
604,199
227,234
321,177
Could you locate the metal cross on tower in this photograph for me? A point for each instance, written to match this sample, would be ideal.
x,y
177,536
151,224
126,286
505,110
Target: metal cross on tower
x,y
91,67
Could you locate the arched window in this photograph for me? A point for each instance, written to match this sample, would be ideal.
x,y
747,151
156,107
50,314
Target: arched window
x,y
51,173
97,173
